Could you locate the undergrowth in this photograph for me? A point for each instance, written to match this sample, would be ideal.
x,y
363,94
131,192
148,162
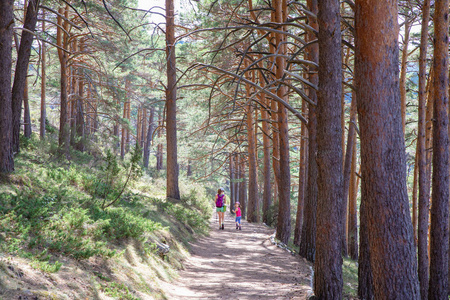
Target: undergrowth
x,y
85,207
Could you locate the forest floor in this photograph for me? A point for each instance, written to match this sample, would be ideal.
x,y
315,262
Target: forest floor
x,y
233,264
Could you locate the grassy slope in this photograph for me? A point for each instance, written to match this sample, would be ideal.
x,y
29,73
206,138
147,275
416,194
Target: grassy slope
x,y
56,241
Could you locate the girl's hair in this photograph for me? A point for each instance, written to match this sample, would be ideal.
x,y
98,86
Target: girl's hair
x,y
219,191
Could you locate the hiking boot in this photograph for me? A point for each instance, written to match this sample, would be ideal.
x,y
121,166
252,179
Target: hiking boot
x,y
240,228
237,227
222,227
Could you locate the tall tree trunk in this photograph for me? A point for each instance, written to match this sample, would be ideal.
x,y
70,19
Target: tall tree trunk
x,y
123,136
389,228
143,128
64,136
308,239
6,35
301,178
26,112
351,141
149,138
232,180
43,84
73,96
284,183
21,71
171,105
352,210
414,194
403,70
79,107
252,212
423,182
242,186
330,222
267,195
439,243
159,150
238,178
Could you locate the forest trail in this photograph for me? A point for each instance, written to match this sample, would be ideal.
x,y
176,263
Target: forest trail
x,y
232,264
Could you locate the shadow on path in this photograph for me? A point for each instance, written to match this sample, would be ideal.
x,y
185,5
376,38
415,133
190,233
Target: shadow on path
x,y
233,264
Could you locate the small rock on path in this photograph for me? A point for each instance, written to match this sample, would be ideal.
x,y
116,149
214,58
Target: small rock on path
x,y
233,264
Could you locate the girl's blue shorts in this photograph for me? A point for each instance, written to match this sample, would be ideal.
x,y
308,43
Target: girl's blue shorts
x,y
238,220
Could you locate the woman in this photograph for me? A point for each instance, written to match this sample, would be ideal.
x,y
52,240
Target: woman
x,y
220,206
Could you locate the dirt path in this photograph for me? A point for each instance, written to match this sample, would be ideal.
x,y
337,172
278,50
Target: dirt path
x,y
231,264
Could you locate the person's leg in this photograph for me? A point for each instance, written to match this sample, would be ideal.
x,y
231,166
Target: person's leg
x,y
223,218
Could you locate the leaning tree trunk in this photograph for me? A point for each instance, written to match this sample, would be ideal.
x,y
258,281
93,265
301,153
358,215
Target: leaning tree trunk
x,y
171,105
308,238
389,228
21,71
6,34
423,182
439,243
330,221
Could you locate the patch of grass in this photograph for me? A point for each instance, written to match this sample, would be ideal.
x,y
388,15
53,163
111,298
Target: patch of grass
x,y
46,266
117,290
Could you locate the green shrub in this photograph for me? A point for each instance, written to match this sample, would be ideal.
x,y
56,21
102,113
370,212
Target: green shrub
x,y
74,233
125,223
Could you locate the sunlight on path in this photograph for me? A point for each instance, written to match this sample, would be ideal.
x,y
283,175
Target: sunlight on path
x,y
231,264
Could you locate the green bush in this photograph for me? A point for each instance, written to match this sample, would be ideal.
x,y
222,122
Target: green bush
x,y
125,223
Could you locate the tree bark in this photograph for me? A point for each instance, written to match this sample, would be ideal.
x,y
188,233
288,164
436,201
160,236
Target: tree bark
x,y
79,108
6,35
26,113
232,181
423,181
148,140
352,210
308,239
439,243
403,72
389,228
301,179
351,141
171,105
64,136
252,211
43,84
267,194
330,222
242,185
123,135
284,182
21,71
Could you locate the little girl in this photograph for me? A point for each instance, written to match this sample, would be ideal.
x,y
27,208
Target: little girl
x,y
237,211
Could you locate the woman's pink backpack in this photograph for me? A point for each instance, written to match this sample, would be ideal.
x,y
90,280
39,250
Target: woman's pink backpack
x,y
219,201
